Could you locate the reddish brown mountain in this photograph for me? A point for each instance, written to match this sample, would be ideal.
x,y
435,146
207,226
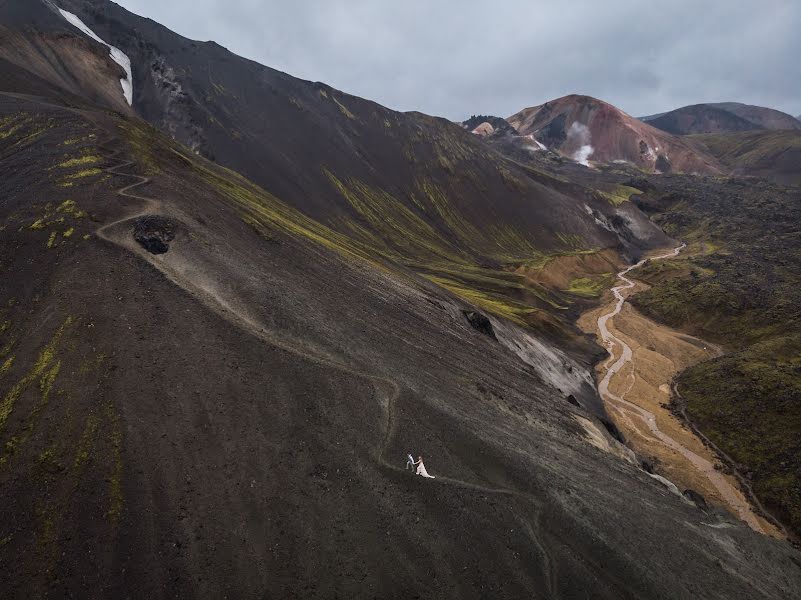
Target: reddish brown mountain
x,y
589,130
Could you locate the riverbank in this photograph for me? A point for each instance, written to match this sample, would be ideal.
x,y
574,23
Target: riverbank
x,y
634,384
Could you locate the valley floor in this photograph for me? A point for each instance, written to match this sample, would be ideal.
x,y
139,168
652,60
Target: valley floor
x,y
658,354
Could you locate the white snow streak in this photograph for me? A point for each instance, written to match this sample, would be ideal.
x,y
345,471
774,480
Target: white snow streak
x,y
117,55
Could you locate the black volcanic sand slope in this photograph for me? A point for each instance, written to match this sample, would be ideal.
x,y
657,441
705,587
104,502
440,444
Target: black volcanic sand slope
x,y
230,417
417,190
740,287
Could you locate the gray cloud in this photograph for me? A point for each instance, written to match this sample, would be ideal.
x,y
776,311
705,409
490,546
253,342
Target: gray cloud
x,y
459,57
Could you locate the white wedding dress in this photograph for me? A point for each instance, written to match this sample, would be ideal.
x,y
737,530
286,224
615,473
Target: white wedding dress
x,y
421,470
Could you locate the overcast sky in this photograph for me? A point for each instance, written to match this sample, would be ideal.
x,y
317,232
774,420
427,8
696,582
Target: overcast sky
x,y
455,58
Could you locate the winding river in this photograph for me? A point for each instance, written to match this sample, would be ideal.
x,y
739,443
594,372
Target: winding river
x,y
733,497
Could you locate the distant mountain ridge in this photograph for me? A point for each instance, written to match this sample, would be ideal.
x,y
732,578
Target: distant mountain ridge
x,y
721,117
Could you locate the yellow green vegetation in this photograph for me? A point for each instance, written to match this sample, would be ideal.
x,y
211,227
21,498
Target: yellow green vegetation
x,y
88,159
385,221
344,109
12,124
92,364
384,228
86,442
48,462
749,405
5,351
573,242
24,127
496,304
6,366
71,208
44,370
590,287
619,194
72,141
140,141
51,219
771,154
85,173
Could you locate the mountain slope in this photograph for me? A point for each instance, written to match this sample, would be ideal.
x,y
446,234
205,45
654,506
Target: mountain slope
x,y
701,118
231,415
207,391
723,117
590,130
762,117
772,154
415,189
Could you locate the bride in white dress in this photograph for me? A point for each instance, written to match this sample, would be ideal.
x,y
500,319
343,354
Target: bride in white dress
x,y
421,468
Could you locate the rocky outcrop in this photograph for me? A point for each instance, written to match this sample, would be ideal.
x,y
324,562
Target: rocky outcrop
x,y
154,233
480,323
696,499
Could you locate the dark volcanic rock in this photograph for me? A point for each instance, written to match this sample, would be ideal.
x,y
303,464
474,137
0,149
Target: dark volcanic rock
x,y
154,233
500,125
613,431
480,322
695,498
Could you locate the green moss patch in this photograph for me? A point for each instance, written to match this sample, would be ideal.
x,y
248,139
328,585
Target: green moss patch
x,y
590,287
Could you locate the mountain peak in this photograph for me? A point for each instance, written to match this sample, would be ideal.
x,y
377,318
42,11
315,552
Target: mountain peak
x,y
588,130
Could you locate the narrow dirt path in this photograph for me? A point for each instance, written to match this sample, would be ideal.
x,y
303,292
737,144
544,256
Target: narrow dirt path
x,y
115,233
621,355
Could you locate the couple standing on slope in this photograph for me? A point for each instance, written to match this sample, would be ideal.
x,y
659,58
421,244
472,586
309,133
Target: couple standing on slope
x,y
421,468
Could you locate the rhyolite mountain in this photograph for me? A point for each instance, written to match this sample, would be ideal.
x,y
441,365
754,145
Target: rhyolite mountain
x,y
229,309
722,117
589,130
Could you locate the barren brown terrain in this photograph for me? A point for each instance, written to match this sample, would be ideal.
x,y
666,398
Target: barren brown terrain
x,y
659,353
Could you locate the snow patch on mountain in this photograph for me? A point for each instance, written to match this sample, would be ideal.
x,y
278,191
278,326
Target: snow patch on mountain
x,y
117,55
